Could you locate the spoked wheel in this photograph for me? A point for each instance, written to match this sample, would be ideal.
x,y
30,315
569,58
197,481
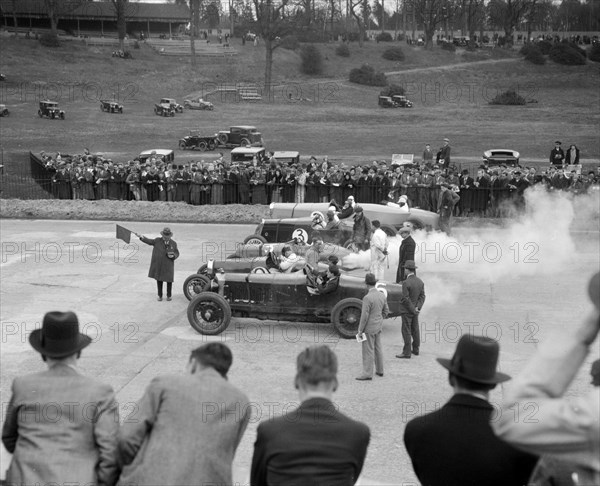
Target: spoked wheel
x,y
194,285
345,317
202,146
182,144
209,313
212,145
254,240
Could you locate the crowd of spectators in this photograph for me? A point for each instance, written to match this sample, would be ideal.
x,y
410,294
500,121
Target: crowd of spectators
x,y
93,177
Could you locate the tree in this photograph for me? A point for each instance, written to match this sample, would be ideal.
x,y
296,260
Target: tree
x,y
432,13
211,15
507,14
57,8
121,13
271,25
360,10
194,24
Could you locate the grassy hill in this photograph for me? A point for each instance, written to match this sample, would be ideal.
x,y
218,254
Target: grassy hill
x,y
450,91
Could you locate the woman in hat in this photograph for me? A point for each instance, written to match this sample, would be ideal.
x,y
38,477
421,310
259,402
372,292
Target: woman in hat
x,y
61,427
162,264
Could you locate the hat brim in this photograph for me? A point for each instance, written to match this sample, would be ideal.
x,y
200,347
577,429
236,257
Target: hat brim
x,y
35,339
410,268
497,378
166,234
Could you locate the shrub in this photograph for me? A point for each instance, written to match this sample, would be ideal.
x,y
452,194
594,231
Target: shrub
x,y
535,56
509,97
391,90
448,46
367,75
393,54
312,60
575,46
544,46
342,50
49,39
136,45
594,53
290,42
384,37
565,54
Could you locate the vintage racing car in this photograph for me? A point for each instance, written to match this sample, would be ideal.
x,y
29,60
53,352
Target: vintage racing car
x,y
389,217
198,104
285,297
111,106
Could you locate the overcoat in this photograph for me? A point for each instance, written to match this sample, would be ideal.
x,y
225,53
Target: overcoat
x,y
162,268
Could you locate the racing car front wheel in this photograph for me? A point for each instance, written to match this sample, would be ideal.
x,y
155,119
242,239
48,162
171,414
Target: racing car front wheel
x,y
254,240
345,317
194,285
209,313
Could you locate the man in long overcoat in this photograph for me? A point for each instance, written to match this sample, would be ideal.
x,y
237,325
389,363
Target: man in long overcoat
x,y
162,264
406,251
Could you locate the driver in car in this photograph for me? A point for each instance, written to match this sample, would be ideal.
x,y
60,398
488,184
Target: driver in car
x,y
323,284
289,261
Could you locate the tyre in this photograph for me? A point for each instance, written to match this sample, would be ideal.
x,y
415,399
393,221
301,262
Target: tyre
x,y
212,144
202,146
172,113
209,313
244,142
260,270
416,223
156,111
194,285
53,115
345,317
101,108
254,240
202,270
179,109
40,113
223,138
121,110
182,144
62,116
211,108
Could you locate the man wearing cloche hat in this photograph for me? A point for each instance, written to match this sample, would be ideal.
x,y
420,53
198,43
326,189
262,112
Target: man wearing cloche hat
x,y
61,426
162,264
455,445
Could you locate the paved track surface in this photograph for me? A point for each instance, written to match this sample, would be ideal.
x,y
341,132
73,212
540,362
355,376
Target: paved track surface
x,y
519,298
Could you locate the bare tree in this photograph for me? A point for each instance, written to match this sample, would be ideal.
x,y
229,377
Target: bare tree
x,y
432,13
360,10
194,25
507,14
57,8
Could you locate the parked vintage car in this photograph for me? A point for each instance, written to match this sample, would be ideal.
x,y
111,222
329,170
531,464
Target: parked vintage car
x,y
244,135
167,155
501,156
4,110
195,141
402,102
50,109
111,106
285,297
288,157
198,104
172,103
386,102
389,217
164,109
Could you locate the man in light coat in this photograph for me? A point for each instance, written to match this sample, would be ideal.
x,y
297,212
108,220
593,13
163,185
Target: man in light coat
x,y
61,426
187,427
374,310
379,251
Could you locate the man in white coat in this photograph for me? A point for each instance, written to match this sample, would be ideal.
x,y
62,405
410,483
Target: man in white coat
x,y
379,246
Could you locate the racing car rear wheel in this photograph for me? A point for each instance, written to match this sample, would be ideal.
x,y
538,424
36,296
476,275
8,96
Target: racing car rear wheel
x,y
254,240
40,113
194,285
209,313
345,317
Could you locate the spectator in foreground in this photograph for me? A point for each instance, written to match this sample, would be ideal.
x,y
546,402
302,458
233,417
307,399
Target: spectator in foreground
x,y
187,427
456,446
568,430
60,426
315,444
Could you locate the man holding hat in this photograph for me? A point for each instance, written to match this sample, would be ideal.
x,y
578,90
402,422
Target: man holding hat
x,y
374,310
455,445
443,155
61,426
162,264
413,298
406,252
557,155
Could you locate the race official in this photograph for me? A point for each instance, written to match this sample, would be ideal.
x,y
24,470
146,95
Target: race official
x,y
361,230
162,264
374,310
413,298
379,251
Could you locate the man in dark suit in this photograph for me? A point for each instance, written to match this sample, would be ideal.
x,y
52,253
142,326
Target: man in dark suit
x,y
443,155
413,296
61,426
456,446
315,444
406,252
557,155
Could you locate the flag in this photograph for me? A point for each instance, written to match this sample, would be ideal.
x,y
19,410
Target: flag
x,y
123,234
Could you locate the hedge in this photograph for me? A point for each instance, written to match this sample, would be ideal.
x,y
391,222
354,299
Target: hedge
x,y
567,55
312,60
367,75
509,97
393,54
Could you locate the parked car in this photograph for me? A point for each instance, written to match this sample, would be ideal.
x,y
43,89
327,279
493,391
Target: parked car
x,y
111,106
172,103
402,102
195,141
244,135
164,109
389,217
288,157
50,109
167,155
460,41
283,296
246,154
198,104
501,156
4,110
386,102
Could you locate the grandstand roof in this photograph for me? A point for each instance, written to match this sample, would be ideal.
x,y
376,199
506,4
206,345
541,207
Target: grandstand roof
x,y
81,9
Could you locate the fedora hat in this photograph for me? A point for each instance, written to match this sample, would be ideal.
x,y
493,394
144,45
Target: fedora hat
x,y
59,336
475,359
410,264
405,229
166,232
